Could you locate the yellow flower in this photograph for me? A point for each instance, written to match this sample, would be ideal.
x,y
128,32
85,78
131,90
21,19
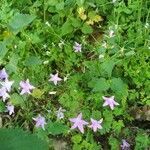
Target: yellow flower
x,y
81,11
7,34
97,18
90,22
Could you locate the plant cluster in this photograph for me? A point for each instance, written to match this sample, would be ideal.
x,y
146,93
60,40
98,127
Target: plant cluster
x,y
64,59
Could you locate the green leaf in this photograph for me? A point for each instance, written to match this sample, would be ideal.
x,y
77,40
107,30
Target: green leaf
x,y
13,62
142,141
113,142
75,22
99,85
86,29
108,117
117,126
66,28
33,61
17,139
76,139
119,87
3,50
20,21
57,128
2,106
16,99
107,67
60,6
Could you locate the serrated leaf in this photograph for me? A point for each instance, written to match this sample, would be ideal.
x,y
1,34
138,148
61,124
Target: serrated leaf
x,y
114,143
99,85
17,139
108,120
33,60
76,139
119,87
57,128
20,21
117,126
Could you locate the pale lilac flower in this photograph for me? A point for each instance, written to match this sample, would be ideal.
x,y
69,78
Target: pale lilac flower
x,y
110,101
77,47
10,109
7,84
3,74
60,113
125,145
26,87
4,94
55,78
95,124
40,122
78,123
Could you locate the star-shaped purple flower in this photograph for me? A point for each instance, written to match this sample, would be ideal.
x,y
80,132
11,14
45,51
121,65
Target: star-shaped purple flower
x,y
40,122
77,47
26,87
110,101
78,123
10,109
7,84
55,78
95,124
4,94
125,145
3,74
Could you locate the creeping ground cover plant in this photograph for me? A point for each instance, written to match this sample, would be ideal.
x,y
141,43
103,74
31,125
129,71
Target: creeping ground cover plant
x,y
75,75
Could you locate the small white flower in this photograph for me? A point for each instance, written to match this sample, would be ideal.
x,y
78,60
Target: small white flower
x,y
47,23
147,25
66,77
48,53
61,43
45,62
44,46
101,56
113,1
52,93
111,33
104,44
15,46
